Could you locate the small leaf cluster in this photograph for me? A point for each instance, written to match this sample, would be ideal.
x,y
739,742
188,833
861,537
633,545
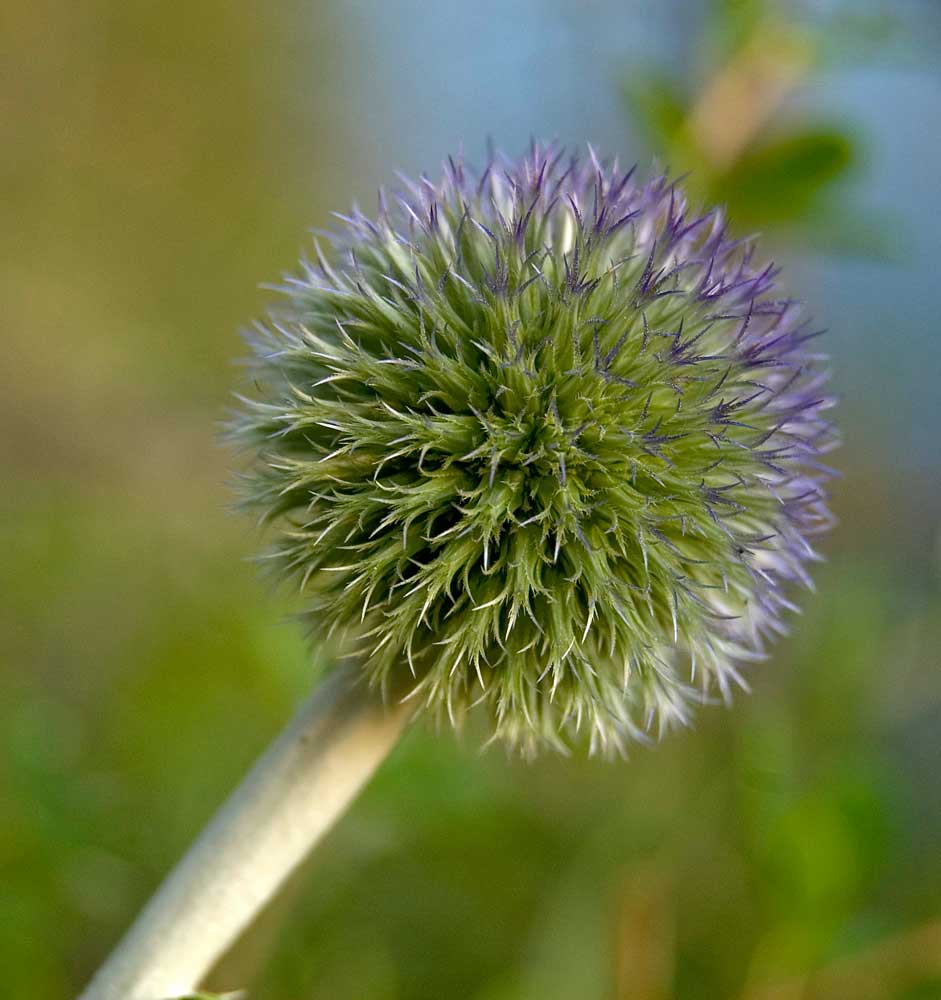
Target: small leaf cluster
x,y
541,439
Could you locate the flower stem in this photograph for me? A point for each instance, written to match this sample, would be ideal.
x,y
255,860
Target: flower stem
x,y
288,800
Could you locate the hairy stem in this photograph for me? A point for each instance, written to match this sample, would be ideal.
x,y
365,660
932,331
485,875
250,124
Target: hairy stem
x,y
292,795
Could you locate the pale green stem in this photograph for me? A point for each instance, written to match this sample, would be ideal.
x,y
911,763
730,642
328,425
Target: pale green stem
x,y
292,795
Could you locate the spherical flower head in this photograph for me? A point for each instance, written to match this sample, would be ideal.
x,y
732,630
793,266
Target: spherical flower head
x,y
543,440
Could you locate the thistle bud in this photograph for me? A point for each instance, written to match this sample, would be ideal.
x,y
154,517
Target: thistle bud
x,y
541,439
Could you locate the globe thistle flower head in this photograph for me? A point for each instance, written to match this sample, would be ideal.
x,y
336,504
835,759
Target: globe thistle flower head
x,y
542,439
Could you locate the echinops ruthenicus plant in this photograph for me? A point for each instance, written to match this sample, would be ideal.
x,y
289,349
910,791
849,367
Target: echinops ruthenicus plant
x,y
538,441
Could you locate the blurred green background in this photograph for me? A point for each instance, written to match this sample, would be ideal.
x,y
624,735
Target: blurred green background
x,y
159,161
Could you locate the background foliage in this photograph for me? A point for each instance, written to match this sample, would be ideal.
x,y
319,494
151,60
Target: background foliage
x,y
157,163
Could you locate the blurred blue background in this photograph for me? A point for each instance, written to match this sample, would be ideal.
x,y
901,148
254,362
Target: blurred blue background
x,y
162,161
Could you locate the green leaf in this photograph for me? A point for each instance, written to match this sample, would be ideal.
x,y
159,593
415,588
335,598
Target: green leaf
x,y
780,180
657,108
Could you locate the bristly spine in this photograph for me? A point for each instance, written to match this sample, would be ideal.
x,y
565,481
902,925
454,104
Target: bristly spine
x,y
540,438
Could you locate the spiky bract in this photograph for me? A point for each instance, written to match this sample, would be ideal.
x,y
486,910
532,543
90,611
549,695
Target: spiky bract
x,y
542,439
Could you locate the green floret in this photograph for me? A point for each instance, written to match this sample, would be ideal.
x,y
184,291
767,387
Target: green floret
x,y
539,440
